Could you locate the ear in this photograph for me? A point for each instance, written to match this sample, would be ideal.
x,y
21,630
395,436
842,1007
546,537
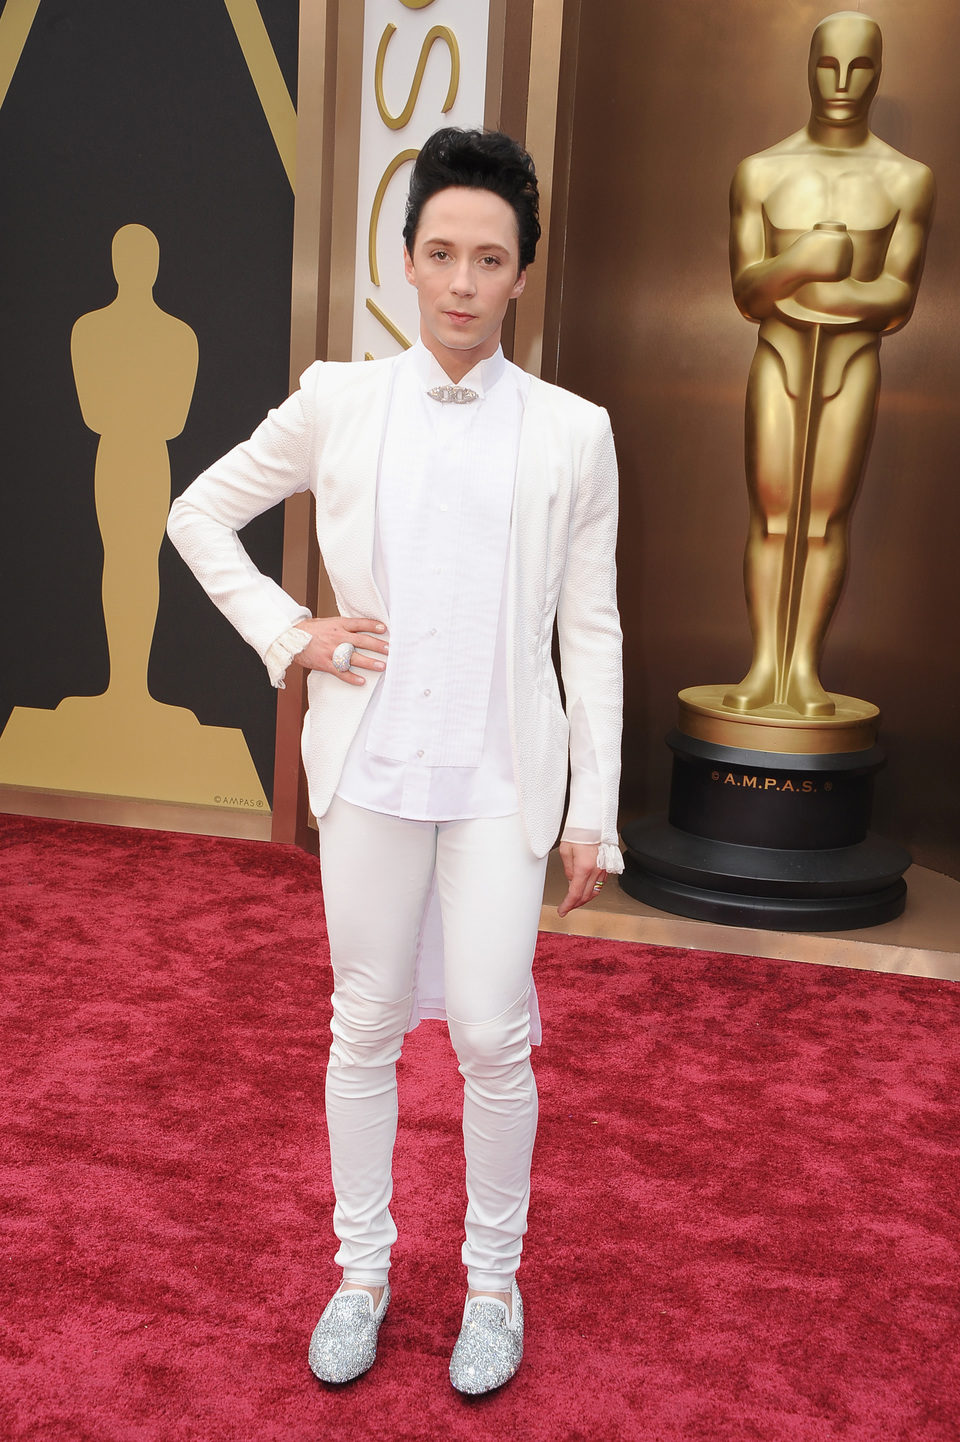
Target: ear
x,y
408,269
518,287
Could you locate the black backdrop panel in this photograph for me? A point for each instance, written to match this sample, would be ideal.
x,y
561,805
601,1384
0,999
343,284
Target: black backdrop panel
x,y
135,111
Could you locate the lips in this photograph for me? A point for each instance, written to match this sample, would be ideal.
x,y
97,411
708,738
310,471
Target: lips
x,y
458,315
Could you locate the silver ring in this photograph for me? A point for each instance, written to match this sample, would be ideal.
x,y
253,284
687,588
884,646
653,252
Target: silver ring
x,y
342,655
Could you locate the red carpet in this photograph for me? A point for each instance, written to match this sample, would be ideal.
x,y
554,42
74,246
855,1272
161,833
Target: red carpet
x,y
745,1222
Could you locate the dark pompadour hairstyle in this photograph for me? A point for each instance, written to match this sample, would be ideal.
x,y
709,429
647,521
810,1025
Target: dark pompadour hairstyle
x,y
478,160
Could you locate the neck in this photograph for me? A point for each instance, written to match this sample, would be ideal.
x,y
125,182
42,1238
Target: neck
x,y
838,137
458,363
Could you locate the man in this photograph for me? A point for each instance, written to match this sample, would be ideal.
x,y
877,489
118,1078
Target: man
x,y
828,230
461,506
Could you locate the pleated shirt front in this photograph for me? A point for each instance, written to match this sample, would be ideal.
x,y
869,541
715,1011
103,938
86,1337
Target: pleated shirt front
x,y
434,744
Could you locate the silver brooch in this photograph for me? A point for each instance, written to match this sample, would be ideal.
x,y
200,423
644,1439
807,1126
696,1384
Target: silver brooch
x,y
460,395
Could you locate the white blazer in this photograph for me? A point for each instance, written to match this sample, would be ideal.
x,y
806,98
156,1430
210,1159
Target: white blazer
x,y
326,438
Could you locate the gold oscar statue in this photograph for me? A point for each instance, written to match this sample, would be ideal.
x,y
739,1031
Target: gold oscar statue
x,y
135,368
827,239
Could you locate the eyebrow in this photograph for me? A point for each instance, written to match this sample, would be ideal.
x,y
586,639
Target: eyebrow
x,y
486,246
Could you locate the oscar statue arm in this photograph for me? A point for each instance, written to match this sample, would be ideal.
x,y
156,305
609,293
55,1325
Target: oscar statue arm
x,y
759,280
885,302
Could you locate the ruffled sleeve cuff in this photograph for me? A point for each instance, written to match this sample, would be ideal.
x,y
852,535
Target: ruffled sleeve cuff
x,y
610,858
281,652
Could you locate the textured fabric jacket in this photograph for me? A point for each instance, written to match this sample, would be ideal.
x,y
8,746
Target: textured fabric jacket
x,y
326,438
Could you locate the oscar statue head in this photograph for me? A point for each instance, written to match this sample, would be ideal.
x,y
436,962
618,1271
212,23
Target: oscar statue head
x,y
846,54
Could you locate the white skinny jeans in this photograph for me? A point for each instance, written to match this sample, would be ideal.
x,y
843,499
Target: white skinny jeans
x,y
377,872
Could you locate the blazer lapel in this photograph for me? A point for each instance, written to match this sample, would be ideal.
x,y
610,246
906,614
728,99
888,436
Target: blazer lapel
x,y
536,490
347,487
529,530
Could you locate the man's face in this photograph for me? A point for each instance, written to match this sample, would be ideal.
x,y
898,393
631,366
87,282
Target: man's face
x,y
844,69
465,269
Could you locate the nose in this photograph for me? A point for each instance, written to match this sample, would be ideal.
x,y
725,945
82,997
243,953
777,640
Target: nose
x,y
461,278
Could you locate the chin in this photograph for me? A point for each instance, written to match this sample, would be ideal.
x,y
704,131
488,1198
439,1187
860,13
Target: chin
x,y
459,340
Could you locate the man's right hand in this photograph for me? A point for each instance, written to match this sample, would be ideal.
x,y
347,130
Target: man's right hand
x,y
329,632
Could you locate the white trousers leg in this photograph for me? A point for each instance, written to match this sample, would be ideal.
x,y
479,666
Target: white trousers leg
x,y
377,872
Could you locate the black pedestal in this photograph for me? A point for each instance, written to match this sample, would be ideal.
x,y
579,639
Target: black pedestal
x,y
758,838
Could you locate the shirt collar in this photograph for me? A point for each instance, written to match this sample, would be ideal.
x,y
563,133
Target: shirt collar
x,y
430,372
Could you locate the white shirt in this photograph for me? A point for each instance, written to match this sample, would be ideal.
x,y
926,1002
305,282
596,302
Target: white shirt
x,y
434,742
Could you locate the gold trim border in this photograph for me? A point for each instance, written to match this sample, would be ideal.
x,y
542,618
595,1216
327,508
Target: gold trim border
x,y
321,322
140,814
921,942
543,80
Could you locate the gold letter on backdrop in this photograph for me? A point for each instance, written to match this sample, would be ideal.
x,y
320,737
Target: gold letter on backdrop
x,y
15,22
385,180
268,80
397,122
439,32
135,368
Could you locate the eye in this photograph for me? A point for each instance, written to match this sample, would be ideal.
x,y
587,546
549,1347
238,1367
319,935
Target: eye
x,y
439,255
490,261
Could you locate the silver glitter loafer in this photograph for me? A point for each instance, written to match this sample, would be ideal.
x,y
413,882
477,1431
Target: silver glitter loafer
x,y
490,1345
344,1341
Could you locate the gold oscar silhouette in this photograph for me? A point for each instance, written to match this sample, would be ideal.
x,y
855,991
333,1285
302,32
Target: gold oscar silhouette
x,y
827,239
135,368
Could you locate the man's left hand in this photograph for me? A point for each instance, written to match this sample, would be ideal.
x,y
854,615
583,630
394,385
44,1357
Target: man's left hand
x,y
583,874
